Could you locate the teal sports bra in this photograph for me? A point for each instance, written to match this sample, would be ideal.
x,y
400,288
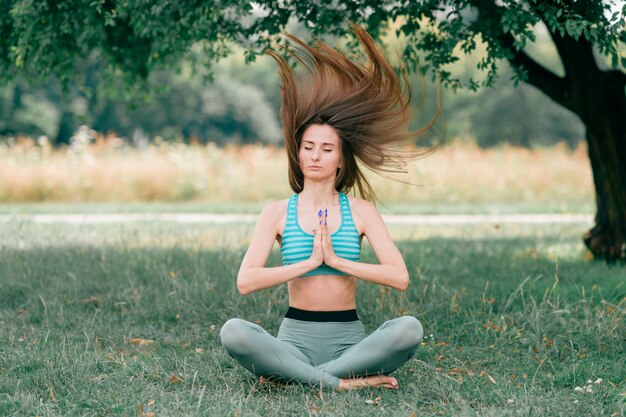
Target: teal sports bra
x,y
297,245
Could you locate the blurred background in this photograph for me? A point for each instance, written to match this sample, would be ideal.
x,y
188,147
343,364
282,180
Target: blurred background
x,y
240,106
215,137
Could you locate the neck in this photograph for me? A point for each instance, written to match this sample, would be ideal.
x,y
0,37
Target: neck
x,y
319,195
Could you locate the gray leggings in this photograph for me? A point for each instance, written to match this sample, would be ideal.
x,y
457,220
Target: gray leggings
x,y
320,353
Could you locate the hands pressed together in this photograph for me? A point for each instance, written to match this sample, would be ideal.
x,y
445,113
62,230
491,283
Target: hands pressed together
x,y
322,244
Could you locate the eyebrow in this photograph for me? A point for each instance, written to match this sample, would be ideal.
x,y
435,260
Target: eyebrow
x,y
323,144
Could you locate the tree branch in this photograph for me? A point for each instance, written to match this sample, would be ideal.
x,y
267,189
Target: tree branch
x,y
576,55
539,76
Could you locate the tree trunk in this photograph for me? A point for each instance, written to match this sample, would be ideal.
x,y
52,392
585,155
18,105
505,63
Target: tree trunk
x,y
66,129
606,138
597,96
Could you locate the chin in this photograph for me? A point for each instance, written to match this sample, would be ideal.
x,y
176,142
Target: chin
x,y
317,174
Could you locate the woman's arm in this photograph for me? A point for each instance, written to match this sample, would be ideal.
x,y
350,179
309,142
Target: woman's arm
x,y
391,270
253,275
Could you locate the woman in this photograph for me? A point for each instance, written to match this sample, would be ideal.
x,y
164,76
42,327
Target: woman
x,y
340,111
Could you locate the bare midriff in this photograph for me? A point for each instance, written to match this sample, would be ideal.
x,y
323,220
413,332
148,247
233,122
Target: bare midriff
x,y
323,293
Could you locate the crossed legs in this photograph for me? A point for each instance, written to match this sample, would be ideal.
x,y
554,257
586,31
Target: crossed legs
x,y
264,355
380,353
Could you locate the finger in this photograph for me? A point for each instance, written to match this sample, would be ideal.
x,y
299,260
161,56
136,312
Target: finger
x,y
326,231
318,234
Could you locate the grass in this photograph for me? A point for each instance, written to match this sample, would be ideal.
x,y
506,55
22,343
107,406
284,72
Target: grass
x,y
456,178
124,320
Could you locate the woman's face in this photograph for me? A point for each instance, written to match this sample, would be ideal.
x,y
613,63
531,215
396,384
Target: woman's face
x,y
320,152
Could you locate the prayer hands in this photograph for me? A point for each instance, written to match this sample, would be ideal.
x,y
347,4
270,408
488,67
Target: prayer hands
x,y
322,243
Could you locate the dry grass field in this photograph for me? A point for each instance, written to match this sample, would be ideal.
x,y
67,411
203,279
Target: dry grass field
x,y
455,174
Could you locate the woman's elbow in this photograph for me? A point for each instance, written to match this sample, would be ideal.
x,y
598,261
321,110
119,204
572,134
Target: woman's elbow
x,y
243,285
243,290
403,281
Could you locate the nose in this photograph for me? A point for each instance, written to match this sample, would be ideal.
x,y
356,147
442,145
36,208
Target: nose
x,y
315,155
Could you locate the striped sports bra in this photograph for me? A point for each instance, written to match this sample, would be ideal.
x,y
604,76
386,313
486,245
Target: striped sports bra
x,y
297,245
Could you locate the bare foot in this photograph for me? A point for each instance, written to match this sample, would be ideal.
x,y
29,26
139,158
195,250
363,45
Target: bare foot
x,y
376,381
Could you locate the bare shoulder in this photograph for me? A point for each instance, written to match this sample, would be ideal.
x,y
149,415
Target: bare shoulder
x,y
275,214
363,212
361,205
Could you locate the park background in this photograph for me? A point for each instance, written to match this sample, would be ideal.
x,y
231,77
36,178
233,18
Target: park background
x,y
121,316
181,140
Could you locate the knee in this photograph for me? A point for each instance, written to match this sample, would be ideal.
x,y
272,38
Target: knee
x,y
409,333
234,336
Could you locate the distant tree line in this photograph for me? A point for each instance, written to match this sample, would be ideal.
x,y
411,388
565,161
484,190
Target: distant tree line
x,y
240,104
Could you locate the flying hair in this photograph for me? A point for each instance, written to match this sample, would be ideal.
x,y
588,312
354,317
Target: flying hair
x,y
366,102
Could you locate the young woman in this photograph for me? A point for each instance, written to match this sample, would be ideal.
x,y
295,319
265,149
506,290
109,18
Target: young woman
x,y
339,112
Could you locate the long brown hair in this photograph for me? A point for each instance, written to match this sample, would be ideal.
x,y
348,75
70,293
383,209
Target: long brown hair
x,y
365,102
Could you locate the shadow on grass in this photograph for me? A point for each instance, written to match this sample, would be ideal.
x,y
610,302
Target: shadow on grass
x,y
506,319
157,278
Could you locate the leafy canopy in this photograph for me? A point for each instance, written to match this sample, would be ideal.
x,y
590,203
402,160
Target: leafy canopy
x,y
134,38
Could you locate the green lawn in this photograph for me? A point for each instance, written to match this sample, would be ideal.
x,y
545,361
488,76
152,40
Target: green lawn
x,y
123,319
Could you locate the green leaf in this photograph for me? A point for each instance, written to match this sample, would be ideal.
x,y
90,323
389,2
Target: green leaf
x,y
570,27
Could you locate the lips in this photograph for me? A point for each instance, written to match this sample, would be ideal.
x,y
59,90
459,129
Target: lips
x,y
314,167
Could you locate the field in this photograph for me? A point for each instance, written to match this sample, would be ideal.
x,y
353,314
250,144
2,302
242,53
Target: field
x,y
457,178
124,319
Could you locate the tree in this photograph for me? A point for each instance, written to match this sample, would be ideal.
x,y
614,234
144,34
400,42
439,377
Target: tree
x,y
519,116
135,37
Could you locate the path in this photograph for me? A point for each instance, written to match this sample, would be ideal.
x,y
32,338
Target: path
x,y
432,219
